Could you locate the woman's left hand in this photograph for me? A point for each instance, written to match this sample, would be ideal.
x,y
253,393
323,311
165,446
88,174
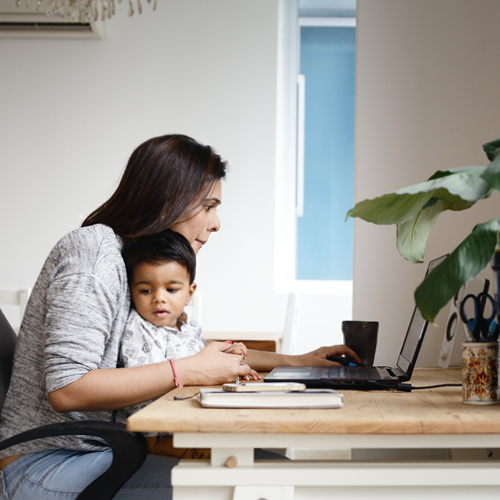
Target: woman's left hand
x,y
264,361
319,357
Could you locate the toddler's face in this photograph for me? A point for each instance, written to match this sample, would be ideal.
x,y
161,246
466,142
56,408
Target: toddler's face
x,y
160,292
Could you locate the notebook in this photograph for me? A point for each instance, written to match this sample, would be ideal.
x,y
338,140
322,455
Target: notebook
x,y
310,398
361,377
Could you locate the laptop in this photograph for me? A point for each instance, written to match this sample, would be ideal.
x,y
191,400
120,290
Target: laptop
x,y
364,377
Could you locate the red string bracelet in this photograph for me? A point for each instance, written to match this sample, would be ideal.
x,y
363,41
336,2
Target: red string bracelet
x,y
174,371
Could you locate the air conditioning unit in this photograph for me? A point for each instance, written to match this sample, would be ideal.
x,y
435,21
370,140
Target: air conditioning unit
x,y
28,22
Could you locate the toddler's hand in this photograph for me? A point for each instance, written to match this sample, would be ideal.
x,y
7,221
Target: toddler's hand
x,y
236,348
211,366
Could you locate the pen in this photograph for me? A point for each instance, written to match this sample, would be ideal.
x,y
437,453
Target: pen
x,y
493,332
468,334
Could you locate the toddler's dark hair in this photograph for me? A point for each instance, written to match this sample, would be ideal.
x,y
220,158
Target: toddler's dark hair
x,y
160,248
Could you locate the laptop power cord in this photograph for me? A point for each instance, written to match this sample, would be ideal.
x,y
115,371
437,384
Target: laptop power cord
x,y
404,387
408,387
401,387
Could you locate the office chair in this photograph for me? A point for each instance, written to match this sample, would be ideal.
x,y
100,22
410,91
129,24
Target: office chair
x,y
129,448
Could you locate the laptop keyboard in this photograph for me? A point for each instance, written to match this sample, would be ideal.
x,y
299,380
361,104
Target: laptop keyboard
x,y
336,374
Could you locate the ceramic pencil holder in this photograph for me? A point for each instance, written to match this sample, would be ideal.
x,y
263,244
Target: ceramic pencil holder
x,y
480,373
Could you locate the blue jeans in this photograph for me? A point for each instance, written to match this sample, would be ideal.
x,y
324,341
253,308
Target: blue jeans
x,y
63,474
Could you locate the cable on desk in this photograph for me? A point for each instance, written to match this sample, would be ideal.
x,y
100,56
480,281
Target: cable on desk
x,y
434,386
408,387
182,398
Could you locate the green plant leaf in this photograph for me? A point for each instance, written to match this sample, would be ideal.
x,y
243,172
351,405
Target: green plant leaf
x,y
392,208
453,171
463,264
416,208
461,187
490,148
412,235
492,173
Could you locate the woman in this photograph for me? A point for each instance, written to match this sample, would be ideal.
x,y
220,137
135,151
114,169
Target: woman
x,y
65,366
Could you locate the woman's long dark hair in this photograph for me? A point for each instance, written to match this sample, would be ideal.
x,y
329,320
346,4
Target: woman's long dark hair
x,y
164,177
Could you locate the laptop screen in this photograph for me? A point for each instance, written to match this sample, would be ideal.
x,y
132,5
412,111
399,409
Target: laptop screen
x,y
415,333
413,338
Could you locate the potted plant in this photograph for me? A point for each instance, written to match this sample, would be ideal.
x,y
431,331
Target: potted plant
x,y
415,209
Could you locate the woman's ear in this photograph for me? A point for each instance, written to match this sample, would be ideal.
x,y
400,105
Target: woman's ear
x,y
192,289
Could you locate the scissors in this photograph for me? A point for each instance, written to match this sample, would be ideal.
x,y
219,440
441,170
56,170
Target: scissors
x,y
478,323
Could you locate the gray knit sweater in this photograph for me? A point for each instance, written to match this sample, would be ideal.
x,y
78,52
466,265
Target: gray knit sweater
x,y
73,324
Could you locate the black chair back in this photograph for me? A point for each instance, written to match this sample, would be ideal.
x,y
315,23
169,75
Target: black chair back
x,y
8,340
130,449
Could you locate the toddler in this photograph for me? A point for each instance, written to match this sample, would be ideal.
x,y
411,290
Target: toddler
x,y
161,270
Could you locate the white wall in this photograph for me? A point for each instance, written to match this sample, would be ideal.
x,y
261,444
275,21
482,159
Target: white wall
x,y
71,112
427,99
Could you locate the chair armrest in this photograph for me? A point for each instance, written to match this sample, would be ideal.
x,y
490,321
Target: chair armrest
x,y
129,452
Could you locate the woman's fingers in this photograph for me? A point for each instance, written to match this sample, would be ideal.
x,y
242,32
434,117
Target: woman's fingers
x,y
320,356
342,349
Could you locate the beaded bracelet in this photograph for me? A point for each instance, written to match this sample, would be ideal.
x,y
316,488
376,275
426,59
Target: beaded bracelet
x,y
176,378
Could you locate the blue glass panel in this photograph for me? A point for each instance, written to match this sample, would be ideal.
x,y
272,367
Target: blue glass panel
x,y
325,241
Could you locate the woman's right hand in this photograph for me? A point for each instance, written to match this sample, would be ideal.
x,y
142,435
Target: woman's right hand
x,y
211,366
113,388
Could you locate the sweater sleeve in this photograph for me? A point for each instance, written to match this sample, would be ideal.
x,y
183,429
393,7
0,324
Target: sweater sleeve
x,y
80,315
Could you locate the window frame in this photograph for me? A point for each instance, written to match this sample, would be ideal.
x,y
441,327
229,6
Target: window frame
x,y
286,153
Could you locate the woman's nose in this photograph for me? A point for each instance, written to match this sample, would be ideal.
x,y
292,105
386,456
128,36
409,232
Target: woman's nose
x,y
215,223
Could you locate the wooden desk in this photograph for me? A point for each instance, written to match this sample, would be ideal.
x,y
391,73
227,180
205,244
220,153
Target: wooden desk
x,y
431,418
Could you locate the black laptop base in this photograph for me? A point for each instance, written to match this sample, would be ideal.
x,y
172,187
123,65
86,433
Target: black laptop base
x,y
337,377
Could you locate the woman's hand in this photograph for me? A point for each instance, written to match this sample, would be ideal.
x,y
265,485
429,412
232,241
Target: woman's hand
x,y
319,357
265,361
112,388
211,366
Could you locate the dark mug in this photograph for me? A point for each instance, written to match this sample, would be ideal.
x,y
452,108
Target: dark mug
x,y
361,337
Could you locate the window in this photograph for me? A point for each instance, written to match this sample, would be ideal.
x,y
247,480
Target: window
x,y
325,190
313,253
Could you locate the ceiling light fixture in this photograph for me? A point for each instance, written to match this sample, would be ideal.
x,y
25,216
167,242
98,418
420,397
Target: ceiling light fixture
x,y
85,11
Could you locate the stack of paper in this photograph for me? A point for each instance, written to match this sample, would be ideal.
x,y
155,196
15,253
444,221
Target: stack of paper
x,y
310,398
